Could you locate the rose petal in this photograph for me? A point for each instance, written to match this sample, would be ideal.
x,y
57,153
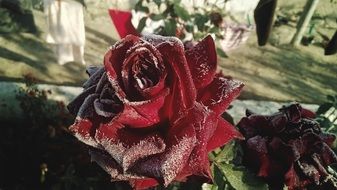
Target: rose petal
x,y
113,60
183,92
95,76
327,155
122,22
251,126
92,69
166,166
307,113
142,184
127,146
328,138
292,180
144,113
223,134
257,155
75,105
202,61
139,49
284,152
109,165
220,93
307,169
204,123
84,130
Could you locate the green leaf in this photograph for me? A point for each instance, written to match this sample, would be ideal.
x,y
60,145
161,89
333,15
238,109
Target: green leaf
x,y
240,178
141,24
219,179
157,2
189,28
140,7
181,12
200,20
156,17
170,27
226,154
221,53
324,108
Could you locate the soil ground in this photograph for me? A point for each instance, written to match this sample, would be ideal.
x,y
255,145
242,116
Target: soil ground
x,y
277,71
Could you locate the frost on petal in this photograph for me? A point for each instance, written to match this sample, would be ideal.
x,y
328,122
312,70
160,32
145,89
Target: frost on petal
x,y
142,71
113,60
84,130
166,166
223,133
184,91
204,123
95,74
127,146
144,113
202,61
75,105
249,126
220,93
109,165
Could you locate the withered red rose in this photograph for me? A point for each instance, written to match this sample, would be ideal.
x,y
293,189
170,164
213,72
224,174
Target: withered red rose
x,y
289,148
152,113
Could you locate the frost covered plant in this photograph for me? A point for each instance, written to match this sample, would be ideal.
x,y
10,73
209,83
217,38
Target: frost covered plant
x,y
289,147
153,112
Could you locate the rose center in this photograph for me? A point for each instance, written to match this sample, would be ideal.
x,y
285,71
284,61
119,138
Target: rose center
x,y
145,73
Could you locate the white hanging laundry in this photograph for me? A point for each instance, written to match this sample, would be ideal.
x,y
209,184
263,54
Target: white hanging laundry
x,y
66,31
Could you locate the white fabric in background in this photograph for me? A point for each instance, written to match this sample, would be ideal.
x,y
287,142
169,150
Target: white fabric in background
x,y
66,30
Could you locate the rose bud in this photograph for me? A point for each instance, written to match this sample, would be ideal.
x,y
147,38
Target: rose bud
x,y
288,147
153,112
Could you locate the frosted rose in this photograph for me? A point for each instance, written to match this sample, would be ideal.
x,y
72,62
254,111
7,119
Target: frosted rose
x,y
152,113
289,147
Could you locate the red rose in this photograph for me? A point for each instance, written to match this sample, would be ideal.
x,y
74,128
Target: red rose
x,y
153,112
289,147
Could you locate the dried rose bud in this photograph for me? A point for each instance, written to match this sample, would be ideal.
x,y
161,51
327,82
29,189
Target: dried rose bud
x,y
288,147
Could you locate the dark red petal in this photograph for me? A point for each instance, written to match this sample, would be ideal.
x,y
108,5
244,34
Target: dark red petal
x,y
183,92
327,155
250,126
258,155
180,142
108,164
122,22
142,184
134,55
292,180
202,61
220,93
282,151
84,130
143,113
222,135
328,138
127,146
308,113
308,170
113,60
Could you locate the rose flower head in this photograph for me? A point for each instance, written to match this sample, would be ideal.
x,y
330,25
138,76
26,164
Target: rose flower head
x,y
153,112
289,148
